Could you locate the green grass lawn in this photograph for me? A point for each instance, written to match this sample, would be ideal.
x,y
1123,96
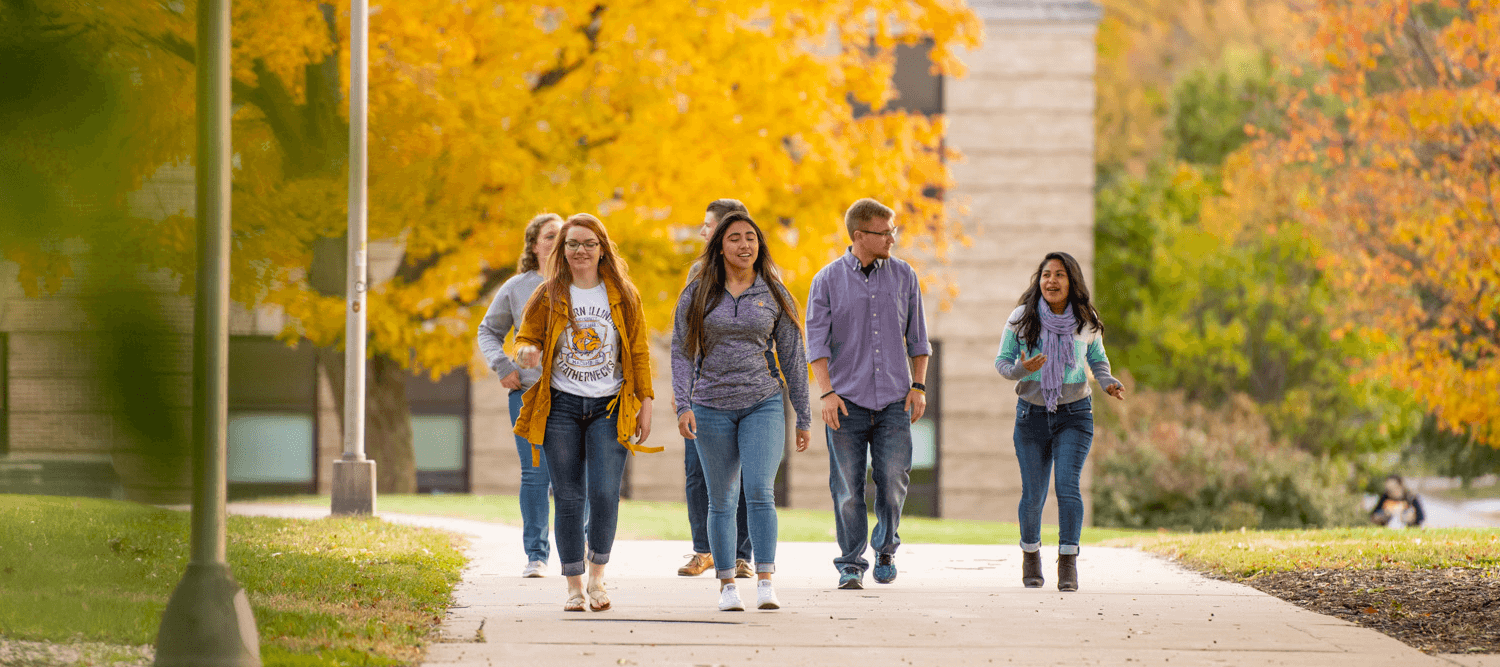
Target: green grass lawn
x,y
648,520
325,592
1250,553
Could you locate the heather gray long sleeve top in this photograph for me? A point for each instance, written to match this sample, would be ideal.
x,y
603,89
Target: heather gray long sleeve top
x,y
504,314
746,338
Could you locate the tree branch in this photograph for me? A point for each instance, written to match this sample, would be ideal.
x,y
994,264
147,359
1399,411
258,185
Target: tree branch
x,y
555,75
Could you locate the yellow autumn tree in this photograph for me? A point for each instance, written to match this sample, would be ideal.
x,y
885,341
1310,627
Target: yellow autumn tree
x,y
483,114
1399,146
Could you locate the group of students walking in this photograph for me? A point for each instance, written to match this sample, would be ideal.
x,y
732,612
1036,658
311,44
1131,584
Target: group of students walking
x,y
581,394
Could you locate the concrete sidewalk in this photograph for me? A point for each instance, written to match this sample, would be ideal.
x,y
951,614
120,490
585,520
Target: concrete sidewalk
x,y
951,605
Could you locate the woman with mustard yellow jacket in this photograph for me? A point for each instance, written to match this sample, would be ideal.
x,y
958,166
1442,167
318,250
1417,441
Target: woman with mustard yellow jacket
x,y
593,401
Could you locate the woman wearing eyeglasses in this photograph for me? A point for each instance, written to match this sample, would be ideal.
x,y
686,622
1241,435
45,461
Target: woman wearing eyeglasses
x,y
585,326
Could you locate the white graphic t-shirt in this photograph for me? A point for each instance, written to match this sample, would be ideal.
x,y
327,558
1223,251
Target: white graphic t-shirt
x,y
588,358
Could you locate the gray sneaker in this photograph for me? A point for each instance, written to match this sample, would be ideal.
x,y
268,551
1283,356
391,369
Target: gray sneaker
x,y
535,570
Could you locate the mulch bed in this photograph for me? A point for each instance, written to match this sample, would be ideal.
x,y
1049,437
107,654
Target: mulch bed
x,y
1438,611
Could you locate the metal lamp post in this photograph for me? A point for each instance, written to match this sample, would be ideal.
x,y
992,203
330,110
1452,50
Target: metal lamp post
x,y
208,622
353,474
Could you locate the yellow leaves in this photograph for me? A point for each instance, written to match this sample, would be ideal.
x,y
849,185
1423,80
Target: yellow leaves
x,y
40,271
1405,201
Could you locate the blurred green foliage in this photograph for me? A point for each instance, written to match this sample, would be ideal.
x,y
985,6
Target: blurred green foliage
x,y
1163,461
69,158
1214,311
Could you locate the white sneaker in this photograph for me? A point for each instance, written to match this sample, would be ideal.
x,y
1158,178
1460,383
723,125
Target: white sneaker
x,y
534,570
729,599
765,596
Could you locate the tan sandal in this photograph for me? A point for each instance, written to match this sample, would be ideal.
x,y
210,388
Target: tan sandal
x,y
574,603
598,599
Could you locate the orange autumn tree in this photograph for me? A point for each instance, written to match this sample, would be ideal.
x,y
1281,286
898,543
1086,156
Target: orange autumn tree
x,y
483,114
1400,144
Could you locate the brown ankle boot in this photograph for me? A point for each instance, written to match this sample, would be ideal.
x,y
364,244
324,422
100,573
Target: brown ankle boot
x,y
1031,569
1067,572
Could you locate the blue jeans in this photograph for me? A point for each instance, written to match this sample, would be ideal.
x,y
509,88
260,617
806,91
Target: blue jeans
x,y
696,490
534,486
883,439
1043,439
581,436
741,446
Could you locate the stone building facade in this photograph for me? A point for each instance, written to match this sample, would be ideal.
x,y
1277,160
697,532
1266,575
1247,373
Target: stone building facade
x,y
1022,118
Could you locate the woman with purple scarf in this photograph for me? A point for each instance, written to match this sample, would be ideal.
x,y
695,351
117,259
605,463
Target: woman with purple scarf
x,y
1049,340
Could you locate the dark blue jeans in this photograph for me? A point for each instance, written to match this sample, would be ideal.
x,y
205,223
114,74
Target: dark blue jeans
x,y
581,436
1044,439
881,438
696,490
741,450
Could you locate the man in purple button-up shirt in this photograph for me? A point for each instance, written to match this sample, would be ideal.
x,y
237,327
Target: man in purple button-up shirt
x,y
867,339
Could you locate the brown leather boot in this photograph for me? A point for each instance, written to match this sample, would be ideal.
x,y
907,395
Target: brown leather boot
x,y
696,565
1067,572
1031,569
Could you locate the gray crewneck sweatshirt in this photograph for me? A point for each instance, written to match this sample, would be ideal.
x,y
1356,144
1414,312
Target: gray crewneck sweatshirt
x,y
504,314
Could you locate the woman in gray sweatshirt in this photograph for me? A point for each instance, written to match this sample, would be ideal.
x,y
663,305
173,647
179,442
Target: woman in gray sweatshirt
x,y
504,314
735,340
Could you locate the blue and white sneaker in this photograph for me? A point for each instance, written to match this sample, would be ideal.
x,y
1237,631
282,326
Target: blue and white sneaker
x,y
885,568
851,579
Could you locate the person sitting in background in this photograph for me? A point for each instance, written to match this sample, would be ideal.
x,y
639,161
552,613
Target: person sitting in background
x,y
1398,506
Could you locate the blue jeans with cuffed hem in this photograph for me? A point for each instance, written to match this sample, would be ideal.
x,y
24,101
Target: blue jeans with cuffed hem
x,y
880,439
535,482
582,436
696,490
741,449
1044,441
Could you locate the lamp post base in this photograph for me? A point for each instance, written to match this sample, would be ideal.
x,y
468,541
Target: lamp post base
x,y
353,487
208,622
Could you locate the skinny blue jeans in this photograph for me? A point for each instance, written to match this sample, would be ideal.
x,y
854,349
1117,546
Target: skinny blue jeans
x,y
1044,439
880,439
696,490
586,462
741,446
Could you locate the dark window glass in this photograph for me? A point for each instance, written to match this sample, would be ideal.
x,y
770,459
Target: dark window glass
x,y
440,431
918,90
272,441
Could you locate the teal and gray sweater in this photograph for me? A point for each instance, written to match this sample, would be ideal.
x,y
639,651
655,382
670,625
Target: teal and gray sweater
x,y
1089,346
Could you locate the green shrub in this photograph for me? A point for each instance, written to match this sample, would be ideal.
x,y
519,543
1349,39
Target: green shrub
x,y
1162,462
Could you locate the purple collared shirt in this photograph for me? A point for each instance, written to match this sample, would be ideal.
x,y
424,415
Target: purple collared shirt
x,y
867,328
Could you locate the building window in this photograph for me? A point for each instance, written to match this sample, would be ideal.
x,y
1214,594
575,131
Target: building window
x,y
918,90
440,431
272,417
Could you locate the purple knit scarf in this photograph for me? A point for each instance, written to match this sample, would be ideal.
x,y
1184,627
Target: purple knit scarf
x,y
1057,344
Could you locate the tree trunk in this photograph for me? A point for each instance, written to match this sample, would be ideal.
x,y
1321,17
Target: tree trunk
x,y
388,437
